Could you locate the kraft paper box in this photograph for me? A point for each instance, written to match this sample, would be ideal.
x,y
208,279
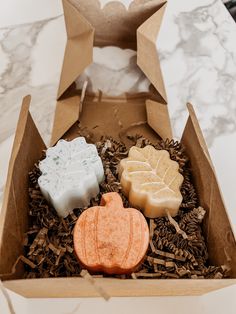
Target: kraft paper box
x,y
88,25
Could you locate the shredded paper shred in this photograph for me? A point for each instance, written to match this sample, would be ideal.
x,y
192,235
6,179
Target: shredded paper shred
x,y
177,246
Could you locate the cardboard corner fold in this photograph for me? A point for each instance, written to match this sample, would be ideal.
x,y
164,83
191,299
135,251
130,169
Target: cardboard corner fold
x,y
17,142
76,24
147,54
202,142
79,47
24,119
221,244
27,149
158,119
66,115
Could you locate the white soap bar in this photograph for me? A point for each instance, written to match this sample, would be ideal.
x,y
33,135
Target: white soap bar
x,y
71,173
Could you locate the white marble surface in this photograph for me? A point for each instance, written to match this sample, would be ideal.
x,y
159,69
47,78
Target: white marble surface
x,y
198,58
199,66
109,72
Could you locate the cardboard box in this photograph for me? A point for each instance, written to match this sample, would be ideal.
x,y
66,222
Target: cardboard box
x,y
107,114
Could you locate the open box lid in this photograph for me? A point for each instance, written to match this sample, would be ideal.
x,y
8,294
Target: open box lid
x,y
87,23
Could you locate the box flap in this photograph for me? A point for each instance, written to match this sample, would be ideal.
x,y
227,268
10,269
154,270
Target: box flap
x,y
217,227
147,54
158,119
123,27
114,22
80,288
27,149
199,134
66,114
79,46
80,34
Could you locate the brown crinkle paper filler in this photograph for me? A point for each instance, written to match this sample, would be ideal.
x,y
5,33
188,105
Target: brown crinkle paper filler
x,y
177,247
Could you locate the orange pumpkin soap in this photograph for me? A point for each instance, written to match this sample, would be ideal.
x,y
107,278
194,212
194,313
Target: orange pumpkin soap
x,y
110,238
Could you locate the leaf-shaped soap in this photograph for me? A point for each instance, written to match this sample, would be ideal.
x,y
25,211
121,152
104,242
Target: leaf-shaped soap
x,y
71,173
151,181
111,238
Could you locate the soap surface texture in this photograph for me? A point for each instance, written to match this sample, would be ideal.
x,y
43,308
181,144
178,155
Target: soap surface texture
x,y
110,238
151,181
71,173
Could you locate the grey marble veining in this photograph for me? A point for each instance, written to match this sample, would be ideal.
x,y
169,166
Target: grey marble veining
x,y
231,6
114,71
202,55
17,48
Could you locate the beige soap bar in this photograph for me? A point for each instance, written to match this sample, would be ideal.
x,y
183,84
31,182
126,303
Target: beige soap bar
x,y
151,181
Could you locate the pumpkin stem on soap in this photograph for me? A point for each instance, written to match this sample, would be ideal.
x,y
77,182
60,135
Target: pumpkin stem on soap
x,y
112,199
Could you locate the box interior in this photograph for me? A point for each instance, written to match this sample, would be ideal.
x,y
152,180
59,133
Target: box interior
x,y
102,118
112,119
106,118
116,117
